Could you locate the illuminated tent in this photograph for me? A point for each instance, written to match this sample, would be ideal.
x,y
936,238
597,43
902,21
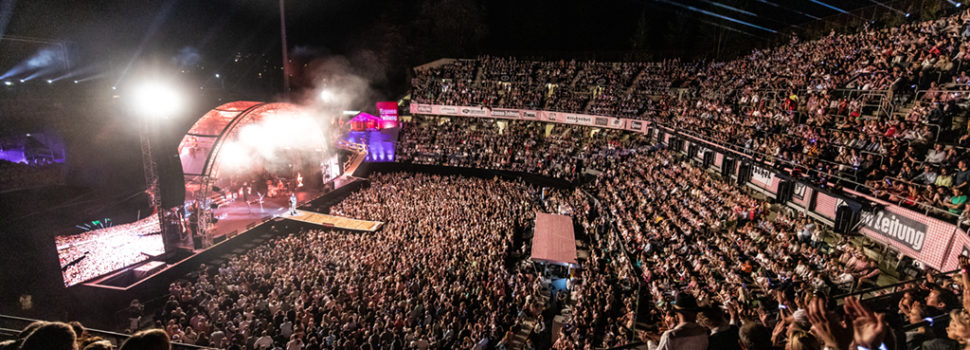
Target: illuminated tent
x,y
364,122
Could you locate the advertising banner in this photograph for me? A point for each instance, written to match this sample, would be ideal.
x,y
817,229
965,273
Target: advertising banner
x,y
506,113
636,125
959,247
889,225
825,205
762,177
932,241
802,195
388,112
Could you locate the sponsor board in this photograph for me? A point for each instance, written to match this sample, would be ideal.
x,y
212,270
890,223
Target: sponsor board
x,y
616,123
505,113
762,175
799,191
449,110
424,109
893,226
530,114
636,125
474,111
581,119
601,121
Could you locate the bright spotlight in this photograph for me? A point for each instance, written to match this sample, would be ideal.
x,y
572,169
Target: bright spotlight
x,y
50,81
22,81
75,81
326,96
156,99
218,76
114,88
907,14
8,83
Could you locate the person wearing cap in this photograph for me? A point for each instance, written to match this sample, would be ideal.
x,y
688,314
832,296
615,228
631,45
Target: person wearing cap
x,y
687,335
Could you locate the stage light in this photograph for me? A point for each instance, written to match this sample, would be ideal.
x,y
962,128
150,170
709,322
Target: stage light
x,y
326,95
218,76
75,81
114,88
50,81
907,14
8,83
156,99
22,81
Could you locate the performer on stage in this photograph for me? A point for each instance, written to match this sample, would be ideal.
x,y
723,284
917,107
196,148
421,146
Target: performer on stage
x,y
292,203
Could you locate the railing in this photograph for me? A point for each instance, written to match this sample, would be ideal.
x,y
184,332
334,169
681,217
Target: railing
x,y
14,323
893,286
927,206
360,153
771,160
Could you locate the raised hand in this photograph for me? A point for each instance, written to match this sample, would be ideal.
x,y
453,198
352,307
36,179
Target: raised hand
x,y
827,329
869,329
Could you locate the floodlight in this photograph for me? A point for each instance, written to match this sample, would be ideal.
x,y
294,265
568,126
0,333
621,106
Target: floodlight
x,y
157,99
326,95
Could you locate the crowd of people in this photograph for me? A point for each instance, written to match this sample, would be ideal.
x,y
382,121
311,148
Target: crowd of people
x,y
440,274
18,176
837,108
41,335
560,152
675,258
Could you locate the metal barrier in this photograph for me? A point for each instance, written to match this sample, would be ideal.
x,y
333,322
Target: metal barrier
x,y
861,293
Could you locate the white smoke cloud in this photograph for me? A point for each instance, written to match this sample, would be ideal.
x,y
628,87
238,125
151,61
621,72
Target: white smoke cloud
x,y
338,87
278,142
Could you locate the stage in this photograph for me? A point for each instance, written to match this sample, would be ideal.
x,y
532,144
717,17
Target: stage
x,y
237,216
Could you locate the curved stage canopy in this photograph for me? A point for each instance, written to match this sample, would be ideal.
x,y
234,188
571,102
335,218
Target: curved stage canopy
x,y
205,151
199,149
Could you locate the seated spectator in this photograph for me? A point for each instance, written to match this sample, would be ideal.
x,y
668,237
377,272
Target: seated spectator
x,y
151,339
51,336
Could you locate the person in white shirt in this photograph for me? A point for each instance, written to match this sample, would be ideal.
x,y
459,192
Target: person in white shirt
x,y
264,342
687,335
295,343
286,328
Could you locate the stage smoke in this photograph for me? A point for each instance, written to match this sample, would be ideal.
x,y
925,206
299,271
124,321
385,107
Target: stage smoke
x,y
338,87
279,143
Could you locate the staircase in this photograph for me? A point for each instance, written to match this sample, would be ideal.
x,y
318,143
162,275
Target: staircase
x,y
527,323
358,154
579,75
479,76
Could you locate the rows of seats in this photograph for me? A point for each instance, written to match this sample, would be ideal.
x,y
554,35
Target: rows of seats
x,y
868,110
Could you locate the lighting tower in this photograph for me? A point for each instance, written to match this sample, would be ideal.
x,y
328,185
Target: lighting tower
x,y
154,101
